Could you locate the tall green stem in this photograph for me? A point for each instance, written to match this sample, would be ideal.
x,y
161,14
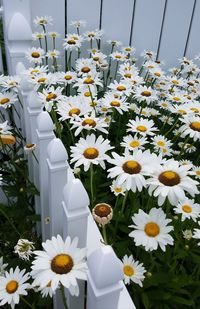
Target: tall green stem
x,y
91,184
63,296
104,234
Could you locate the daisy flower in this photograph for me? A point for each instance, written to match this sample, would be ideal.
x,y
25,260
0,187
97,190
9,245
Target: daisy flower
x,y
28,148
53,34
133,270
141,126
147,94
131,169
85,66
102,213
61,262
52,54
111,102
151,230
11,82
128,49
7,99
160,142
2,267
67,77
196,235
78,23
176,97
38,35
93,35
72,41
188,209
114,43
12,285
196,172
5,128
119,56
70,107
98,57
24,249
88,122
191,127
148,55
117,189
35,55
171,180
43,21
88,83
90,151
48,97
46,291
133,142
187,234
122,88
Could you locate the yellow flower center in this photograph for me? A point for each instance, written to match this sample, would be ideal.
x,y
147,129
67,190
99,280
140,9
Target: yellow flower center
x,y
128,49
41,80
62,264
161,143
51,96
95,58
134,144
118,56
68,77
85,69
157,74
195,125
164,104
127,75
152,229
7,139
128,270
131,167
121,88
89,122
194,109
102,210
104,109
29,145
115,103
91,153
35,55
71,42
4,101
169,178
87,94
182,111
141,128
74,111
198,173
146,93
176,99
12,286
175,82
34,71
118,189
48,284
88,81
187,208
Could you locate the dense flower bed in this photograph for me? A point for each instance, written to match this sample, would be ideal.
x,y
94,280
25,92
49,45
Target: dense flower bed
x,y
132,134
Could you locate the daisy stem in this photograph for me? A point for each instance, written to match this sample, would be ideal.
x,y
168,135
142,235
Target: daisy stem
x,y
46,46
109,65
10,222
26,302
63,296
116,70
175,123
183,148
104,234
69,60
91,184
124,202
71,134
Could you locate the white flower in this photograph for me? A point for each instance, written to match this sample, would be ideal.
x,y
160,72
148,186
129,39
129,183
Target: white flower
x,y
78,23
5,128
35,55
102,213
85,66
131,169
128,49
187,234
171,180
38,35
49,96
72,41
117,189
147,94
53,34
67,77
7,99
28,148
52,54
70,107
133,142
88,122
93,35
188,209
118,104
46,291
119,56
90,151
133,270
196,235
151,230
88,82
122,87
61,262
43,20
2,267
191,127
141,126
24,249
12,285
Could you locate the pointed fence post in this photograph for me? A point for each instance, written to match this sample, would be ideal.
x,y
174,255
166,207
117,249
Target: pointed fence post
x,y
57,173
75,206
45,135
104,279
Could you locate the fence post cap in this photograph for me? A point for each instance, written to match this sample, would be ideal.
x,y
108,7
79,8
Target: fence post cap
x,y
105,268
75,195
56,151
19,28
34,100
20,68
26,85
44,122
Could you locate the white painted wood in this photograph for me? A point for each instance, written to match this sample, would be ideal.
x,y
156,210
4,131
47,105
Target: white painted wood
x,y
104,279
176,25
45,135
147,24
57,171
194,43
75,206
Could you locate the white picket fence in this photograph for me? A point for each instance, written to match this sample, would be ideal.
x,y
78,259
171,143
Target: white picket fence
x,y
63,206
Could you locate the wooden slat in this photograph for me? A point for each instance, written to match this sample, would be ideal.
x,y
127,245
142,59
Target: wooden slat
x,y
147,24
194,42
175,30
